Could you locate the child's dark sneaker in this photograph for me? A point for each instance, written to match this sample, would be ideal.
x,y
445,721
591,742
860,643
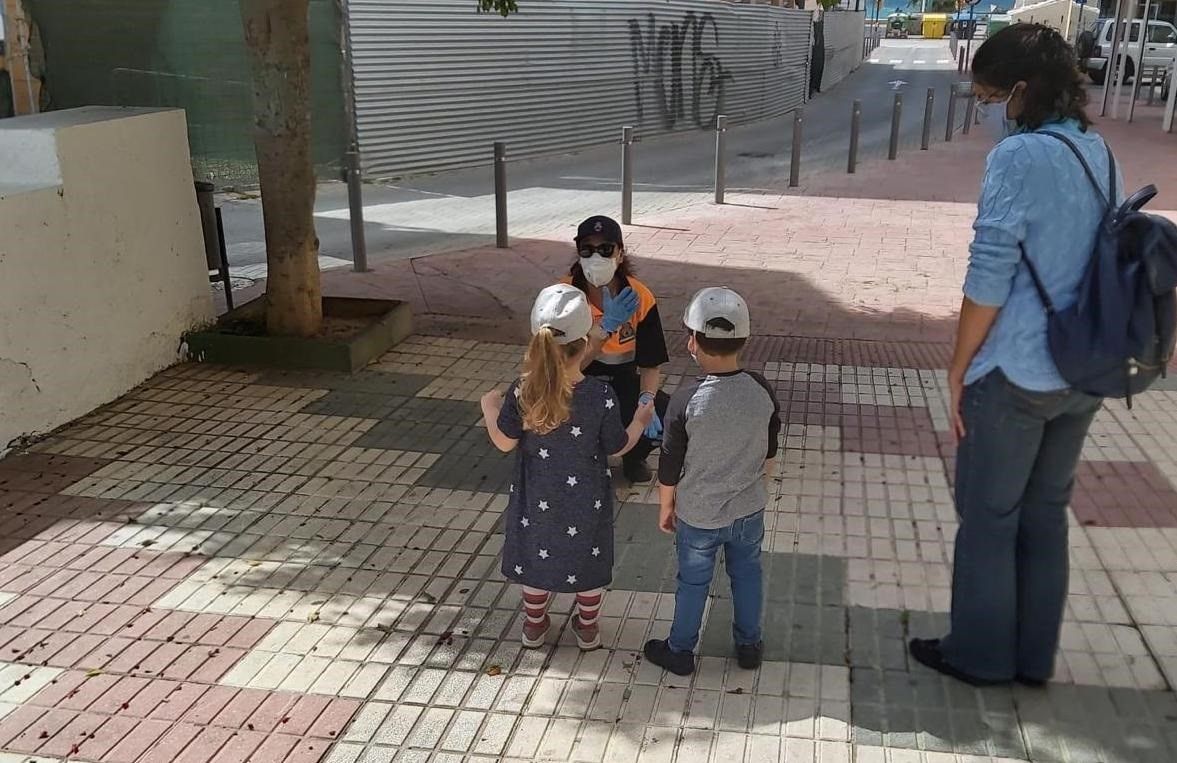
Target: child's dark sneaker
x,y
534,634
749,656
637,472
658,651
588,637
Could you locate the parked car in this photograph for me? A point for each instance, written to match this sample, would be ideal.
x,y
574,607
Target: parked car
x,y
1095,46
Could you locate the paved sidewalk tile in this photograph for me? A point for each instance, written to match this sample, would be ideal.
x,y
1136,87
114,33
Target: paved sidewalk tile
x,y
233,565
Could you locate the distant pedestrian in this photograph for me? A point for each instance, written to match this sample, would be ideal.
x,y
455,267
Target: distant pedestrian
x,y
1019,426
559,519
721,438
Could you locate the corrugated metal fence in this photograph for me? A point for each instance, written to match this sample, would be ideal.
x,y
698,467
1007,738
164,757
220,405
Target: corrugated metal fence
x,y
844,31
437,84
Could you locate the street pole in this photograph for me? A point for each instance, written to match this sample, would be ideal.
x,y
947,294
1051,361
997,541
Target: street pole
x,y
502,241
353,169
1122,69
626,175
1110,66
720,159
1135,92
968,49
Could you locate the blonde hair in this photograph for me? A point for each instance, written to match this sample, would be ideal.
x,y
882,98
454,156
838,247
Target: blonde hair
x,y
545,391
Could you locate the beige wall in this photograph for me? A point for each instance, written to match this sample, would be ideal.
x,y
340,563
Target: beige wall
x,y
101,259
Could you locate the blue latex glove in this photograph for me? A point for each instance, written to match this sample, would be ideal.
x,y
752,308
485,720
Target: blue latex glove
x,y
653,430
617,310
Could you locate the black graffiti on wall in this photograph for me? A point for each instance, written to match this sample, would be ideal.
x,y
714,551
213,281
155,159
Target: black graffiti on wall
x,y
679,64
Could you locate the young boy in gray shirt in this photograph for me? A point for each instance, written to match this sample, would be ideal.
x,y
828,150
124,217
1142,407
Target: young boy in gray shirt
x,y
720,439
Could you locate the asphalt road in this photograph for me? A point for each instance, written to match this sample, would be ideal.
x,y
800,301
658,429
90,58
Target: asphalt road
x,y
456,209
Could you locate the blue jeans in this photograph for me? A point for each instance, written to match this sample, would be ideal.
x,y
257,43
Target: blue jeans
x,y
1015,469
697,549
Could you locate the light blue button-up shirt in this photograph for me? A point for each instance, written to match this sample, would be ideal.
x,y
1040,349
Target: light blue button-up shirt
x,y
1035,194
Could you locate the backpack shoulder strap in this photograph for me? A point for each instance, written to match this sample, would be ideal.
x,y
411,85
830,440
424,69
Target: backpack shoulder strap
x,y
1108,198
1047,302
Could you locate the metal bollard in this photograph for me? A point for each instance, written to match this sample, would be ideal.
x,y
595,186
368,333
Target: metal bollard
x,y
795,159
626,175
929,109
501,240
355,206
969,114
896,116
1152,84
855,125
223,259
951,116
720,161
960,62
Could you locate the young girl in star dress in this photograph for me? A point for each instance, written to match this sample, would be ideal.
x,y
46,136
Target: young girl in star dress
x,y
564,427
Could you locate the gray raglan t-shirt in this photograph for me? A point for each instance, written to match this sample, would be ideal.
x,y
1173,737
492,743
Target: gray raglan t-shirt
x,y
719,429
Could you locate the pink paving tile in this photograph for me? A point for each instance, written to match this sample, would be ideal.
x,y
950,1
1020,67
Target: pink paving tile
x,y
308,751
129,589
224,630
168,628
66,556
162,658
91,558
132,746
251,633
241,747
57,580
105,651
88,692
334,718
304,714
196,627
236,713
144,622
206,746
107,737
36,733
218,663
18,721
59,688
155,590
189,663
1123,494
113,560
63,649
22,579
67,742
181,698
171,743
27,611
173,565
118,697
120,616
268,717
210,705
275,748
132,659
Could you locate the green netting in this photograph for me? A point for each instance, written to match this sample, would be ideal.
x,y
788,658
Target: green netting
x,y
188,54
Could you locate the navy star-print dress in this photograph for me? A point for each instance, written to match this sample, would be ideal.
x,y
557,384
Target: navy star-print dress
x,y
559,520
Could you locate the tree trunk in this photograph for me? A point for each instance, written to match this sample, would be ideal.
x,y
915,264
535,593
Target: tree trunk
x,y
277,36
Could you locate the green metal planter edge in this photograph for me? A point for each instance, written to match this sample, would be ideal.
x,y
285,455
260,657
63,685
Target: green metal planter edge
x,y
391,324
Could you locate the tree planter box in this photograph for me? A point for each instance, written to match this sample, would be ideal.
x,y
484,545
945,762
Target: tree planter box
x,y
237,340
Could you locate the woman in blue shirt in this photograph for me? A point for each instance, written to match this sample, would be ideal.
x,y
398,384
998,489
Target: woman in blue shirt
x,y
1019,429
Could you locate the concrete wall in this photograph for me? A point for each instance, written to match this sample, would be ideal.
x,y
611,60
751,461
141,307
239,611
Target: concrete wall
x,y
844,31
101,260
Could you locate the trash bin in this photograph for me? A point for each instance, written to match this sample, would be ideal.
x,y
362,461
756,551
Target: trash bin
x,y
208,223
934,25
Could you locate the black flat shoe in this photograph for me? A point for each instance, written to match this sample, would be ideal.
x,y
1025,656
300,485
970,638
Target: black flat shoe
x,y
1032,683
659,652
926,651
749,656
637,472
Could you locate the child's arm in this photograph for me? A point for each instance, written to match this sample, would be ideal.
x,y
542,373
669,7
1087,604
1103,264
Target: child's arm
x,y
492,408
633,432
666,517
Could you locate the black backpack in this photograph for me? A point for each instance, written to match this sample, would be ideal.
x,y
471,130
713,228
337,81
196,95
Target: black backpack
x,y
1117,339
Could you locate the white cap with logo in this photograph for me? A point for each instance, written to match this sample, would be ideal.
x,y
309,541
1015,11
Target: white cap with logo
x,y
717,312
564,309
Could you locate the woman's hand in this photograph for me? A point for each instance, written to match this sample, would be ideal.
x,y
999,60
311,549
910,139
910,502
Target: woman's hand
x,y
956,398
615,311
652,424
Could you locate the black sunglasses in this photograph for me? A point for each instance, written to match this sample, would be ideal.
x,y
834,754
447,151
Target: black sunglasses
x,y
605,250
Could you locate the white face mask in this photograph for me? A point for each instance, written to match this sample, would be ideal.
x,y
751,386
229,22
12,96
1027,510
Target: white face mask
x,y
598,270
994,118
